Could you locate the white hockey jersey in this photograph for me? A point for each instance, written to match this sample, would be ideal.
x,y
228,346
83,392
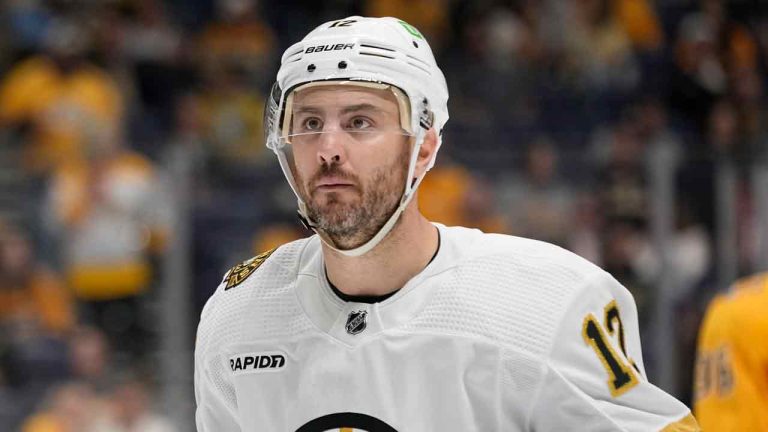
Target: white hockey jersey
x,y
497,333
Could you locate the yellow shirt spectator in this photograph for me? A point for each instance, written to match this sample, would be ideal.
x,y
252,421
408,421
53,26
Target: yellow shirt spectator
x,y
451,196
113,215
442,192
29,291
641,23
42,297
231,118
63,109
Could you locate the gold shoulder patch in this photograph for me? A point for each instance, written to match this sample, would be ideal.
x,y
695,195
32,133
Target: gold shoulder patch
x,y
239,273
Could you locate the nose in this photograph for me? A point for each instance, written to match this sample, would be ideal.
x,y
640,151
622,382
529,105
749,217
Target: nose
x,y
331,148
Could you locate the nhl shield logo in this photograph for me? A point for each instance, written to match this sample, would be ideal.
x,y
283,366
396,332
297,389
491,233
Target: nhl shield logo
x,y
356,322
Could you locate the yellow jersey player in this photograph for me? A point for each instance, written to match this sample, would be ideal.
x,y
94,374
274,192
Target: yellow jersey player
x,y
731,384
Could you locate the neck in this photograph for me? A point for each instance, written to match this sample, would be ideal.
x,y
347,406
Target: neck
x,y
400,256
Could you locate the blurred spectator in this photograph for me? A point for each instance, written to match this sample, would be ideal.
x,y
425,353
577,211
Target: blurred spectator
x,y
709,47
35,364
761,36
36,316
481,209
690,254
537,202
641,24
690,251
188,130
622,242
698,78
736,134
586,227
428,16
452,196
618,152
238,40
232,115
235,53
441,193
72,407
129,408
747,93
494,73
652,122
58,100
89,357
28,290
29,20
598,49
153,49
31,361
723,132
748,229
111,216
276,235
187,144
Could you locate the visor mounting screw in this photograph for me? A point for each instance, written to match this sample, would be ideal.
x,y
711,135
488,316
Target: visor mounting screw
x,y
342,64
311,68
415,44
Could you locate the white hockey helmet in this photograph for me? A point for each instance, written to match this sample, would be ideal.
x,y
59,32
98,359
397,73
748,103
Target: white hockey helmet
x,y
369,52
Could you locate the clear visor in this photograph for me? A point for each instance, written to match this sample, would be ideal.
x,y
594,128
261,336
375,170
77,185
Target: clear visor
x,y
357,111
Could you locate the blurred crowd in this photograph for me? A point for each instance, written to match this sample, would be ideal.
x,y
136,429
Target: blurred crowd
x,y
561,110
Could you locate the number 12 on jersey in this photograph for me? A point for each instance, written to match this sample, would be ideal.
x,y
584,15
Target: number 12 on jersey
x,y
621,370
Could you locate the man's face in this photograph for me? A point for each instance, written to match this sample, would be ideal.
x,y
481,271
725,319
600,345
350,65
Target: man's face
x,y
351,159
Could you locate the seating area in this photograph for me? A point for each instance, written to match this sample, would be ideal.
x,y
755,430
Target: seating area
x,y
569,119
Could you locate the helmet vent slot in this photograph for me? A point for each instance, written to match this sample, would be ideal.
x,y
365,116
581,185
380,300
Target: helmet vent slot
x,y
376,47
294,56
418,60
376,54
420,67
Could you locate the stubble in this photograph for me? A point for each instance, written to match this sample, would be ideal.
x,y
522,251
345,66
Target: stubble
x,y
350,223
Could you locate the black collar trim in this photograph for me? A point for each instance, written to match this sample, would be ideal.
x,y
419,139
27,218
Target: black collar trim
x,y
369,298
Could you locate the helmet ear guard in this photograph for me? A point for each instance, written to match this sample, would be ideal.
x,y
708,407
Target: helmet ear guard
x,y
366,52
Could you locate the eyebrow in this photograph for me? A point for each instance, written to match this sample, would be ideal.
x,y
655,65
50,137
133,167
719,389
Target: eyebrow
x,y
360,107
345,110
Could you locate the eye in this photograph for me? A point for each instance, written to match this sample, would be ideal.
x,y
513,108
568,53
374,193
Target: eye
x,y
313,124
360,123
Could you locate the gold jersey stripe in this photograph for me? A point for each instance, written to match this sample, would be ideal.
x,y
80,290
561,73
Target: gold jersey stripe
x,y
686,424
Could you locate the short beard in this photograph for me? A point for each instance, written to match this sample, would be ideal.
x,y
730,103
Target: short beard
x,y
352,224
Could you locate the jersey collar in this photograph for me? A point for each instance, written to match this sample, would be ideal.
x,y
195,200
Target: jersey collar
x,y
331,314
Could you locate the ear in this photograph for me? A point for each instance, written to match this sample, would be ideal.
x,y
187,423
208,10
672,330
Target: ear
x,y
426,152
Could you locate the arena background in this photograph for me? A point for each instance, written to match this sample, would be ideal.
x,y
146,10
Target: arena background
x,y
133,172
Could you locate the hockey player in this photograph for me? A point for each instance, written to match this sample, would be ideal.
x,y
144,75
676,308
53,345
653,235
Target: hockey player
x,y
731,390
384,321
